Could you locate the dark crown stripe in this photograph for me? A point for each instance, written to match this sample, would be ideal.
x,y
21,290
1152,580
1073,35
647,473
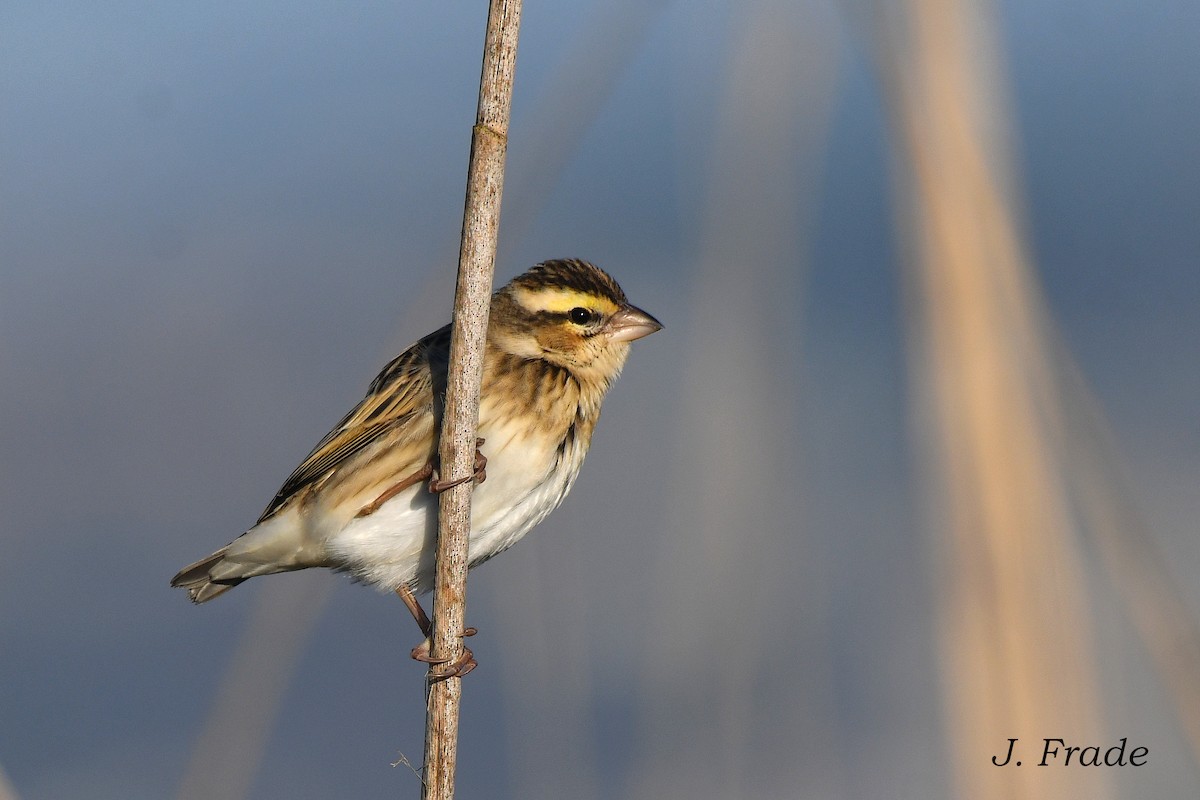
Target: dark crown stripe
x,y
572,274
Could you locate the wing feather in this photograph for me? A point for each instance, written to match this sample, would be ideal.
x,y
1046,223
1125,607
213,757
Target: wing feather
x,y
403,390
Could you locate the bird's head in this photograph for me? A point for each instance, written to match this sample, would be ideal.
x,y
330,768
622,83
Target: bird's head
x,y
571,314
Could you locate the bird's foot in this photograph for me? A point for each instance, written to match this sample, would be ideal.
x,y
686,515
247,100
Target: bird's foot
x,y
443,668
437,485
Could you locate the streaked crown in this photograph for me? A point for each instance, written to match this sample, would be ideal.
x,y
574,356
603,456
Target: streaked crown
x,y
570,276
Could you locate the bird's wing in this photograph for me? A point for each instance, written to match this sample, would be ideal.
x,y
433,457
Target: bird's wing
x,y
403,390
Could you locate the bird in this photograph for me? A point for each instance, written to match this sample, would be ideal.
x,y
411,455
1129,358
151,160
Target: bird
x,y
363,502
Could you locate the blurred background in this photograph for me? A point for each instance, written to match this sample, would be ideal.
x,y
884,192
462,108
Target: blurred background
x,y
912,469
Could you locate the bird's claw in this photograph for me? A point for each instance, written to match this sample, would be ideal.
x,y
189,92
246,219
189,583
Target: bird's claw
x,y
437,485
443,668
460,667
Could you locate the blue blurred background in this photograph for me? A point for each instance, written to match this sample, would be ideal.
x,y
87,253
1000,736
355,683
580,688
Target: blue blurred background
x,y
217,221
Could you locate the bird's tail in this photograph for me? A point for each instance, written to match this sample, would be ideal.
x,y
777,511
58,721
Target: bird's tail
x,y
199,581
277,545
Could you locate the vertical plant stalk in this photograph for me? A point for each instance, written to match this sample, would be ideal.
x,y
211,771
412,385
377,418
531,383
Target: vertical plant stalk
x,y
476,262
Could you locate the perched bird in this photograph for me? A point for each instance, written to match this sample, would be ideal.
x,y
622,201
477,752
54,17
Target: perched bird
x,y
364,502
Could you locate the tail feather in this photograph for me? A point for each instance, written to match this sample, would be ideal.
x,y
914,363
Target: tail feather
x,y
277,545
201,584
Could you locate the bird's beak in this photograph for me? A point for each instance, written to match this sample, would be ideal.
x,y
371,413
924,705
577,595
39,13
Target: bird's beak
x,y
630,323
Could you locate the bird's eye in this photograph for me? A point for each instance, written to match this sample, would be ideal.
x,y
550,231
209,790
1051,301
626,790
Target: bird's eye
x,y
580,316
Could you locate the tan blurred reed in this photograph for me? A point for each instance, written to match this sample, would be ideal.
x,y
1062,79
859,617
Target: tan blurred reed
x,y
7,790
1016,632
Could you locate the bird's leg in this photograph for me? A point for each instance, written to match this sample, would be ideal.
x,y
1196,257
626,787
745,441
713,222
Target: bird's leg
x,y
414,608
449,668
437,485
418,476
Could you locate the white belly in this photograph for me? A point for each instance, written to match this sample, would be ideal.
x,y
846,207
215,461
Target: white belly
x,y
394,546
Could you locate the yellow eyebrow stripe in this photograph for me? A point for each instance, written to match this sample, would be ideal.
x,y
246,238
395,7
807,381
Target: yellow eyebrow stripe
x,y
557,300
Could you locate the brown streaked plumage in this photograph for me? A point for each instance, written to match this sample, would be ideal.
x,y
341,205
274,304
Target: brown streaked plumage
x,y
558,337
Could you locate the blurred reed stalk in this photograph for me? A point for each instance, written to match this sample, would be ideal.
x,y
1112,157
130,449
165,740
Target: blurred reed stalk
x,y
736,698
231,745
7,792
1134,563
476,264
1016,632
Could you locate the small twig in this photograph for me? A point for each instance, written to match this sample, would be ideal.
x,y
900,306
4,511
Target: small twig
x,y
476,261
403,759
